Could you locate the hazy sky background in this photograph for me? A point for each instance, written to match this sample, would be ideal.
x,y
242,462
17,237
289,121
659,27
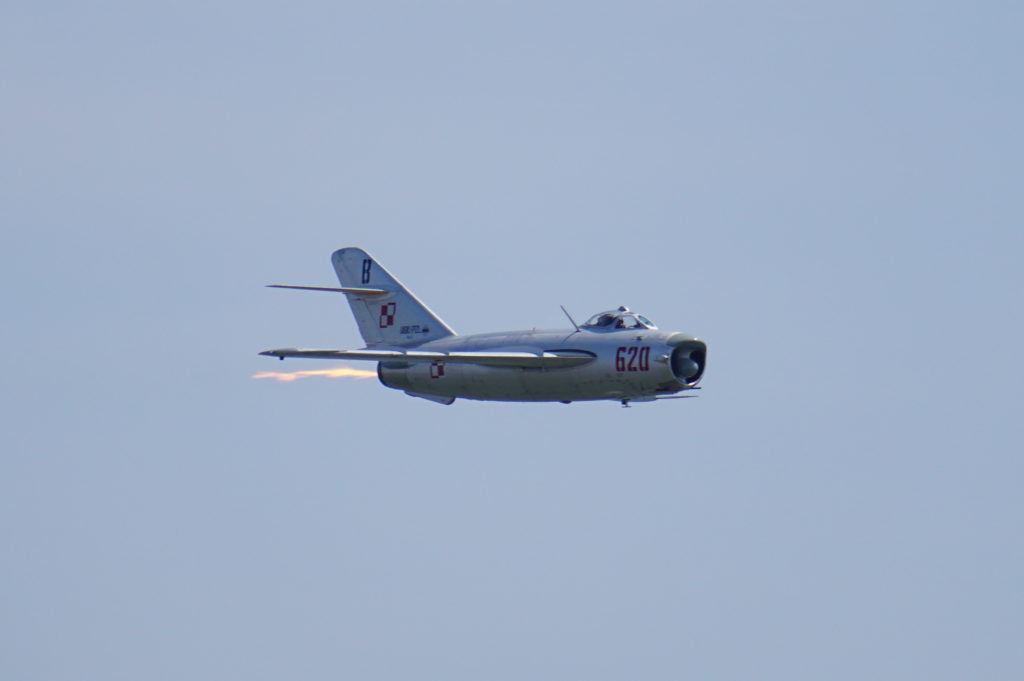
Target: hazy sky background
x,y
828,193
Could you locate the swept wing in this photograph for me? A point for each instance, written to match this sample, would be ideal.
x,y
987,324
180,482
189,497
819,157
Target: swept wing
x,y
556,359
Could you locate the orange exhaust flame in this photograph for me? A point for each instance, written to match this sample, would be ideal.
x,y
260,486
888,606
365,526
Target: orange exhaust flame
x,y
343,372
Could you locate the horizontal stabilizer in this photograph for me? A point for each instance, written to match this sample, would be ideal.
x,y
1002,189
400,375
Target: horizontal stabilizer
x,y
346,289
557,359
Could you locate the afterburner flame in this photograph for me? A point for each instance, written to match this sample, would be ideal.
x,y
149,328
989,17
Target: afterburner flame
x,y
342,372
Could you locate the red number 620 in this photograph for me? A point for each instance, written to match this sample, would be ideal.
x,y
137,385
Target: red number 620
x,y
633,358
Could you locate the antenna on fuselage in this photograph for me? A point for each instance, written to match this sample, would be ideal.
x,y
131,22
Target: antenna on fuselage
x,y
570,317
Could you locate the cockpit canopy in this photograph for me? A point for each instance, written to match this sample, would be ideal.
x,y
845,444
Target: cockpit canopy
x,y
618,319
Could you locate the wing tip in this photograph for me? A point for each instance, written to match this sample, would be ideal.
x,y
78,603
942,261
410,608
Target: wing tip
x,y
278,352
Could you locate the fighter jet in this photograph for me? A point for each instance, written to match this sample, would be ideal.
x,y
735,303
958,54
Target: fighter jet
x,y
615,355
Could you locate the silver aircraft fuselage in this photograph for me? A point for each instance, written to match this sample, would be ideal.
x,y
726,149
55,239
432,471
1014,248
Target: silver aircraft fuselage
x,y
616,364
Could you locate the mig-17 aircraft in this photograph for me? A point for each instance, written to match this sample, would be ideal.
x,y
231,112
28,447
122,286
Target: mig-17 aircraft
x,y
616,355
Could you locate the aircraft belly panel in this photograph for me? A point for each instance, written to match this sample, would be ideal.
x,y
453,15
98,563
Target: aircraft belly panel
x,y
468,381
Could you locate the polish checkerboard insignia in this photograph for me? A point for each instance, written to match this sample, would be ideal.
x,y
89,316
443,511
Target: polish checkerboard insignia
x,y
387,315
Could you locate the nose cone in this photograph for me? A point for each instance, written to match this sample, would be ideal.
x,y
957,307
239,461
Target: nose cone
x,y
689,357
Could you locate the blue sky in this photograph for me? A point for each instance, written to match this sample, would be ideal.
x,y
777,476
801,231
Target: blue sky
x,y
828,194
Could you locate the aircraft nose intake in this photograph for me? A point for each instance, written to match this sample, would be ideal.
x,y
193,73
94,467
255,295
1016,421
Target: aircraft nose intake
x,y
686,367
688,361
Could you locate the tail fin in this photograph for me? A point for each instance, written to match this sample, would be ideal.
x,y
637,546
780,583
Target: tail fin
x,y
396,317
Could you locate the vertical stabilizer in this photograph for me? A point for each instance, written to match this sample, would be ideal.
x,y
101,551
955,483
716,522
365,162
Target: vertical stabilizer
x,y
393,318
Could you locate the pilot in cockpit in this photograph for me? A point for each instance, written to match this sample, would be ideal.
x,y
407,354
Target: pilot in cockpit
x,y
618,319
